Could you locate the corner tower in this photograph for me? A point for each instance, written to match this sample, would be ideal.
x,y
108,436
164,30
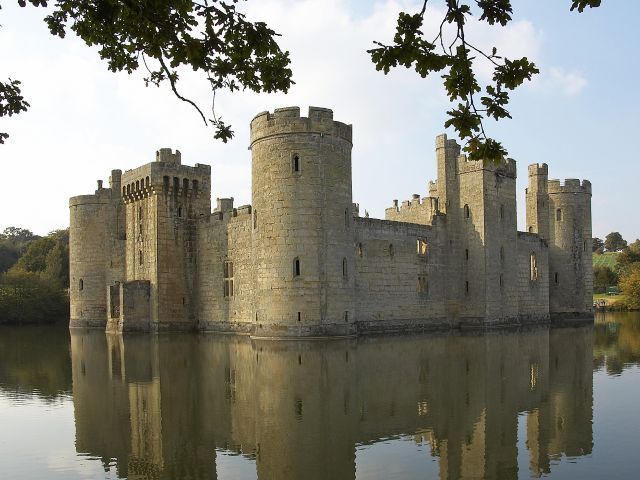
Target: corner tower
x,y
302,223
570,267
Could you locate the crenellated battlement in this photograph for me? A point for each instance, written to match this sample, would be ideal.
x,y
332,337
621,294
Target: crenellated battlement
x,y
507,167
538,169
166,155
287,121
570,185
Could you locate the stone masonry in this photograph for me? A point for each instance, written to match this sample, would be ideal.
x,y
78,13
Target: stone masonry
x,y
148,254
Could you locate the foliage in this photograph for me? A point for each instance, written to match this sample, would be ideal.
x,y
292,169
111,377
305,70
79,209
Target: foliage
x,y
630,285
11,102
614,242
164,37
598,245
629,255
603,277
27,297
455,58
49,256
13,243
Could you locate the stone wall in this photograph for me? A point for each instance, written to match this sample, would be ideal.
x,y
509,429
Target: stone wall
x,y
399,275
533,278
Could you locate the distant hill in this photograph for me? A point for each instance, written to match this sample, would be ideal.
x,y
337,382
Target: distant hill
x,y
607,259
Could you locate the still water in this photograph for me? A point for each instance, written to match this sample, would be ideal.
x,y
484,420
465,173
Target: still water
x,y
560,403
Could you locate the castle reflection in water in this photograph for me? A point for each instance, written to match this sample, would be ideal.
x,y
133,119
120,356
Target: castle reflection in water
x,y
166,406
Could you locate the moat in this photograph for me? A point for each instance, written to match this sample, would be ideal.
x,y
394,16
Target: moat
x,y
558,403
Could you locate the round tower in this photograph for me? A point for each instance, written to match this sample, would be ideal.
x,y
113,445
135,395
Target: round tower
x,y
570,267
88,260
302,223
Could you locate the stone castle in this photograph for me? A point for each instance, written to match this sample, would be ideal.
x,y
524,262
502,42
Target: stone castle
x,y
148,254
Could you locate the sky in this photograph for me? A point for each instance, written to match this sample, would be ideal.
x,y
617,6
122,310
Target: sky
x,y
579,115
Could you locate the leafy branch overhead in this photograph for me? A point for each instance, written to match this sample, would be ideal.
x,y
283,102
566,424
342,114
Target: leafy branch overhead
x,y
454,55
162,36
11,102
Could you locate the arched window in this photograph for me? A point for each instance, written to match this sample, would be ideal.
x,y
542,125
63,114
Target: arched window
x,y
360,250
137,185
533,267
530,229
128,189
179,211
124,191
146,182
81,285
296,267
345,272
295,163
467,212
391,250
195,187
559,215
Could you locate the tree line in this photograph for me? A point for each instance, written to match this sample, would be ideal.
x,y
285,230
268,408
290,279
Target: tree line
x,y
626,270
34,276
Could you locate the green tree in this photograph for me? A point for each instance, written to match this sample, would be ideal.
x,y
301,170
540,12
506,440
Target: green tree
x,y
630,285
628,256
454,55
27,297
48,255
598,245
603,277
165,37
614,242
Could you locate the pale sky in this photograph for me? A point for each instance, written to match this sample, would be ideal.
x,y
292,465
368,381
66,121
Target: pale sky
x,y
579,115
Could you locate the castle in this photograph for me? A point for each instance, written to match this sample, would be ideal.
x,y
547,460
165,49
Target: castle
x,y
147,253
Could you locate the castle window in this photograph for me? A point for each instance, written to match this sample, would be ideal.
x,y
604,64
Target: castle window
x,y
228,278
295,163
296,267
530,229
422,284
346,218
176,184
137,185
255,219
559,215
421,246
501,253
299,316
195,187
467,212
501,281
466,254
139,213
179,211
556,280
391,250
533,267
185,186
360,250
140,258
146,182
501,212
124,191
466,288
81,285
128,189
346,316
345,272
165,182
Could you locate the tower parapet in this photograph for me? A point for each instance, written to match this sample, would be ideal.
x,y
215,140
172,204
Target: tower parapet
x,y
570,185
287,121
